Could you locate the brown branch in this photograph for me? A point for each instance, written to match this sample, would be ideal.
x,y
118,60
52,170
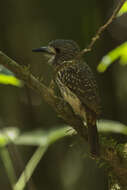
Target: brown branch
x,y
61,107
102,28
109,154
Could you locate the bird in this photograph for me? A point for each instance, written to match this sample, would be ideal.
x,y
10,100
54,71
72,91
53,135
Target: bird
x,y
76,83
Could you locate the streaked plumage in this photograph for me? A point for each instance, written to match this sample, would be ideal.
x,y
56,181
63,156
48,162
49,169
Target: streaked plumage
x,y
77,85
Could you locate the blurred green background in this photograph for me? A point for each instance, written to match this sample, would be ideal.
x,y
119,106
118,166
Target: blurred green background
x,y
25,25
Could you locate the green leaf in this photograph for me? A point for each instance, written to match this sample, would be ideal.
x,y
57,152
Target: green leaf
x,y
123,9
41,137
3,140
109,126
118,53
4,70
7,135
10,80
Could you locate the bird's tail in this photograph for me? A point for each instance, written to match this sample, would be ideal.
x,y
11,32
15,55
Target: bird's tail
x,y
93,139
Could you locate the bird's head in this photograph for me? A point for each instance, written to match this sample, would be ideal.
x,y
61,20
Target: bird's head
x,y
59,51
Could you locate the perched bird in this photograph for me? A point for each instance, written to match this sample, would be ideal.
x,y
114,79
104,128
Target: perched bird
x,y
76,83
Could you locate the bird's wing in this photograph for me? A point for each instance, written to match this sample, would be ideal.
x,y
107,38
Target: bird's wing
x,y
79,78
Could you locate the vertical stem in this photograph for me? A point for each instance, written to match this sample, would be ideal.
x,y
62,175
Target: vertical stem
x,y
35,159
30,167
8,165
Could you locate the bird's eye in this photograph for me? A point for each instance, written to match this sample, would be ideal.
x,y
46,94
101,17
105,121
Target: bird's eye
x,y
57,50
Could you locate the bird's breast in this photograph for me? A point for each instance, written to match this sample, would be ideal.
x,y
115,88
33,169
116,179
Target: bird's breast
x,y
71,99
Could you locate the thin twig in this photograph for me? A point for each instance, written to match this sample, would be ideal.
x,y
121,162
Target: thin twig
x,y
102,28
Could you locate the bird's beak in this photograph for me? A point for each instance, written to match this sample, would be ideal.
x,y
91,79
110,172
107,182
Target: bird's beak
x,y
45,49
